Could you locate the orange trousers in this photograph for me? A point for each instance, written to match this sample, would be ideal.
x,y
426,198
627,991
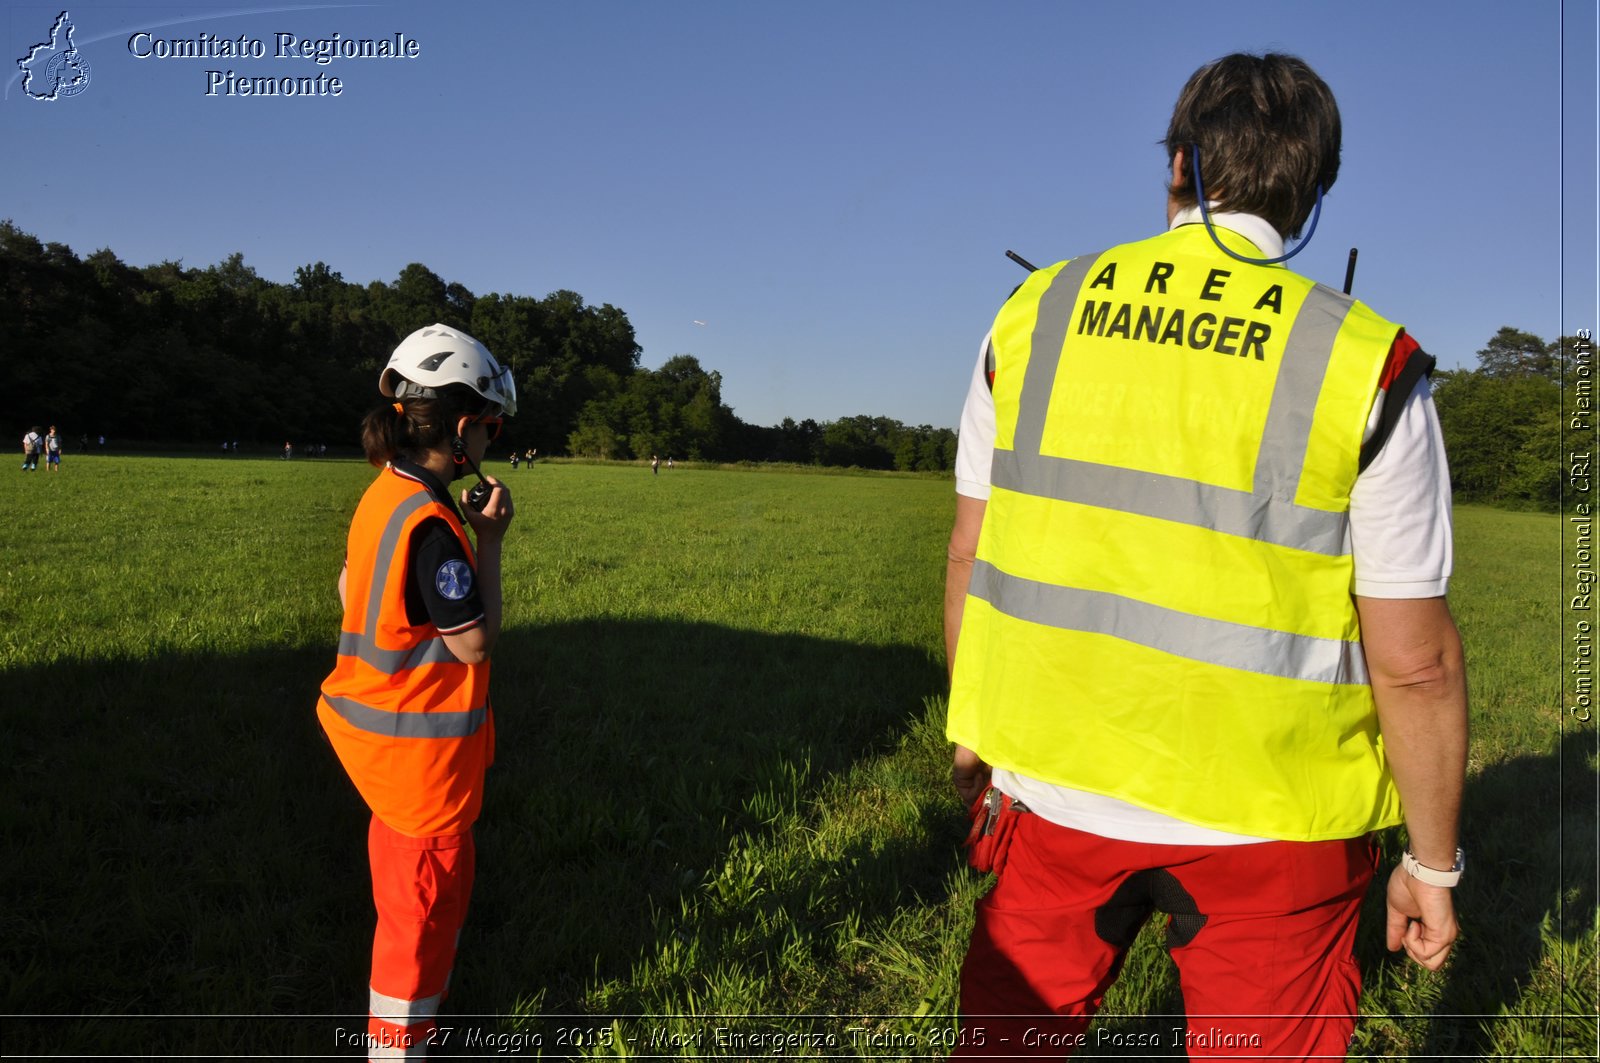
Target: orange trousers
x,y
421,887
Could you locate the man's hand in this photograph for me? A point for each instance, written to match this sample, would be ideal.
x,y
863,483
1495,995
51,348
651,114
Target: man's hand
x,y
1422,918
969,774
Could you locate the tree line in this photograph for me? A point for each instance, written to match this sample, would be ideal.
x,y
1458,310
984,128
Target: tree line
x,y
170,354
173,354
1503,421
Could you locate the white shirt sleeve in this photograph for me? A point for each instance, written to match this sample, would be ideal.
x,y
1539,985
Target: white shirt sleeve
x,y
1400,525
975,438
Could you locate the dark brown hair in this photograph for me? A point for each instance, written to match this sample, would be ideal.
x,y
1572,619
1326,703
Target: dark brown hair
x,y
420,425
1268,131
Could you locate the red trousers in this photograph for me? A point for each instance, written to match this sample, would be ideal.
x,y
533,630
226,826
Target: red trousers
x,y
1262,936
421,887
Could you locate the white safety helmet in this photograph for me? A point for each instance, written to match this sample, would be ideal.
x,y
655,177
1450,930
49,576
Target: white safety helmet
x,y
432,358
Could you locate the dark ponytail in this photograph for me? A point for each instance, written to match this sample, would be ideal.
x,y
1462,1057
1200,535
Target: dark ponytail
x,y
411,427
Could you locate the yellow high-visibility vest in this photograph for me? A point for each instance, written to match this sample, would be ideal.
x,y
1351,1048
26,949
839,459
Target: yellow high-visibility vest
x,y
1160,610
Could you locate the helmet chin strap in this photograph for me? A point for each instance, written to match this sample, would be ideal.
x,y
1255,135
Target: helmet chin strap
x,y
1205,216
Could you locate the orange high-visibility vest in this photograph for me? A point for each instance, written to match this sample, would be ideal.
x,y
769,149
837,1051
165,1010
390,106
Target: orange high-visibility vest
x,y
411,723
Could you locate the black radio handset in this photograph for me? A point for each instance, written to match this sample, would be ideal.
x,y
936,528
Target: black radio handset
x,y
478,497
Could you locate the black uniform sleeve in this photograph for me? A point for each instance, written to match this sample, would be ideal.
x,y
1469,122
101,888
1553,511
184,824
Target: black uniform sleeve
x,y
442,586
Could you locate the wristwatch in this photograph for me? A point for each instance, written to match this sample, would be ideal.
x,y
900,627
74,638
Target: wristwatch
x,y
1423,873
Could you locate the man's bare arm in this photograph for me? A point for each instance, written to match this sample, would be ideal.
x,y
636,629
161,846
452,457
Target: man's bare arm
x,y
1419,683
958,569
969,774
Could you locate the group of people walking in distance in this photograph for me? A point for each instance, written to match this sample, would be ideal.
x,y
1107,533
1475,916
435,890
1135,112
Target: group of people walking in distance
x,y
35,445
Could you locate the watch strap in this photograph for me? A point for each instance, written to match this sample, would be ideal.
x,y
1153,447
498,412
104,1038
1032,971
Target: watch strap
x,y
1433,877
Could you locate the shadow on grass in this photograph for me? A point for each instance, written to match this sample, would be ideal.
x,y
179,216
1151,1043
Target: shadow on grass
x,y
183,846
1530,831
637,764
1530,828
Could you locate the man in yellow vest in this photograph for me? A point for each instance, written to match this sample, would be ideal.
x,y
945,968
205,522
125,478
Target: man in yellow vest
x,y
1195,612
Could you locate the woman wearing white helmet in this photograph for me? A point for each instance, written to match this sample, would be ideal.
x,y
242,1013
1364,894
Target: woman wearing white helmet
x,y
407,704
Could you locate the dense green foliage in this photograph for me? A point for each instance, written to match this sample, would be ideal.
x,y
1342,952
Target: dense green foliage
x,y
1503,422
185,355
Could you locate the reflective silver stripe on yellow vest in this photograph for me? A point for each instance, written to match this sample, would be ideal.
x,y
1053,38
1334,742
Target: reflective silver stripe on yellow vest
x,y
1249,649
1263,513
363,646
1160,610
1259,514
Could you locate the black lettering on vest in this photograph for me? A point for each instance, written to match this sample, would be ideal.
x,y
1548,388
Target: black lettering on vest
x,y
1093,318
1119,323
1158,276
1257,334
1227,334
1215,281
1107,278
1271,299
1173,333
1149,323
1200,337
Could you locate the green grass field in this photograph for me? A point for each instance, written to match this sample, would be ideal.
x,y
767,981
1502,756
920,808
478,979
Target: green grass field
x,y
721,785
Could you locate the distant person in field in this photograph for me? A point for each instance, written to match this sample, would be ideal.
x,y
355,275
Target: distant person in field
x,y
515,457
655,465
32,441
1195,608
407,704
52,450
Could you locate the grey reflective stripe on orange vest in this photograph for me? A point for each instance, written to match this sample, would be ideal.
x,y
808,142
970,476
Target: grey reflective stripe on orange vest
x,y
392,662
1266,513
363,646
407,724
388,544
1198,638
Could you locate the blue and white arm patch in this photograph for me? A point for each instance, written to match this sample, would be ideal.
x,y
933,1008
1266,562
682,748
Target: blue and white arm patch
x,y
453,581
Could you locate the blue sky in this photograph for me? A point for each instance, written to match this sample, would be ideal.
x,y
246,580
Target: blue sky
x,y
830,186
